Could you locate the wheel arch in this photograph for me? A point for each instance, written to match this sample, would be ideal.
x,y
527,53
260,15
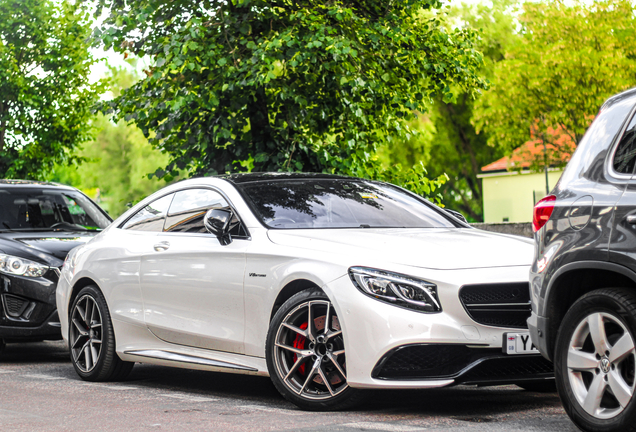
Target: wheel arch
x,y
77,287
573,281
288,291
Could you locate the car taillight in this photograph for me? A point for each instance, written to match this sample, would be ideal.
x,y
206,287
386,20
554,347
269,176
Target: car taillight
x,y
542,212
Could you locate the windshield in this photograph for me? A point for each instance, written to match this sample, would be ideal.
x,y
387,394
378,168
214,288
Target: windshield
x,y
27,209
331,203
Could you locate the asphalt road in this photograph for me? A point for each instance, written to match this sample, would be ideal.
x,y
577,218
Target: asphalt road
x,y
39,391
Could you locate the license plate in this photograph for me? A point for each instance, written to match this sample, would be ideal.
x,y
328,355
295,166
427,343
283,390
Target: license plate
x,y
518,343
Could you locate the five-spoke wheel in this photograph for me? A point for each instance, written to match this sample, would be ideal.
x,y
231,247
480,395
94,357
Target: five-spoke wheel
x,y
600,362
306,353
595,360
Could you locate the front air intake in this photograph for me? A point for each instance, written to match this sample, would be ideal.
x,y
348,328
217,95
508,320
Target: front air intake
x,y
14,306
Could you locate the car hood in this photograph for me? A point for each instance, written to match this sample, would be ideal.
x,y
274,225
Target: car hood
x,y
43,244
433,248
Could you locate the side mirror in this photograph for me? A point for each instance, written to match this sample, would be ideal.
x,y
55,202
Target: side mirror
x,y
457,215
217,222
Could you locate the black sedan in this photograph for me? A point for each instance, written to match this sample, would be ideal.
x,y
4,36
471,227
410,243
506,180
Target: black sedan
x,y
39,224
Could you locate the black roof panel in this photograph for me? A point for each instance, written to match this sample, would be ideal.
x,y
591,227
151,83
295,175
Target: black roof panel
x,y
10,182
269,176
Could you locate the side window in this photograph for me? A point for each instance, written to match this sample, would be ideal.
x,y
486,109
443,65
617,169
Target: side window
x,y
151,217
625,156
188,208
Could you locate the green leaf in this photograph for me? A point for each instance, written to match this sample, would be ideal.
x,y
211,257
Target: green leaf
x,y
312,86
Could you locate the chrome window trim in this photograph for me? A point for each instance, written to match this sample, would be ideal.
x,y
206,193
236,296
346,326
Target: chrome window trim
x,y
609,160
200,186
123,223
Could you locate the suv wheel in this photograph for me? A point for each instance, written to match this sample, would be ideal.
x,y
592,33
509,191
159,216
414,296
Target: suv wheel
x,y
595,361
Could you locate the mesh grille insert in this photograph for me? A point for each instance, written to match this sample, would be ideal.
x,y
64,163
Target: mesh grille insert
x,y
508,368
465,365
499,305
426,360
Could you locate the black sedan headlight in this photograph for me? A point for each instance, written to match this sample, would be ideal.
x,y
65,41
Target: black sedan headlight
x,y
397,289
14,265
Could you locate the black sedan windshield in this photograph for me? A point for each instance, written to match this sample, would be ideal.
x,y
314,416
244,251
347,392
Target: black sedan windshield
x,y
326,203
39,208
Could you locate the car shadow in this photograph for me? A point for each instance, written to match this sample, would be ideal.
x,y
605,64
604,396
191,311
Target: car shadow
x,y
466,403
35,352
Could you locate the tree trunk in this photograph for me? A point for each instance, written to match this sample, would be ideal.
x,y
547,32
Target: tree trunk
x,y
466,148
259,126
3,126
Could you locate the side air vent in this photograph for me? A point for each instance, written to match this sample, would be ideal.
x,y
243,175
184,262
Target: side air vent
x,y
14,306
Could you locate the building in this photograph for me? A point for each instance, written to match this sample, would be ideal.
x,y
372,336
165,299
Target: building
x,y
512,185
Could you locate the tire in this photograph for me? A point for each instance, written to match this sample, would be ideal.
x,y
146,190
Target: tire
x,y
307,362
2,346
92,339
595,361
539,386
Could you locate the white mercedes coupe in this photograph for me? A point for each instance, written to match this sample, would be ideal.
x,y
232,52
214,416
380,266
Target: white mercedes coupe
x,y
329,285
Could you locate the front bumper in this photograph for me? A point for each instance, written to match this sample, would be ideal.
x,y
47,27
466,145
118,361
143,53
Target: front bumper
x,y
376,331
462,364
49,330
539,327
27,308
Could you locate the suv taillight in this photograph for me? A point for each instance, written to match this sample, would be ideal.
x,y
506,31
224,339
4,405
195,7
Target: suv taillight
x,y
542,212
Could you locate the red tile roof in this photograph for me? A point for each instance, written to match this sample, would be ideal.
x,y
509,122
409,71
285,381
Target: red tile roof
x,y
532,150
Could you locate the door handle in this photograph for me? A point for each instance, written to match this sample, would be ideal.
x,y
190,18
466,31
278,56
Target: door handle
x,y
162,246
631,219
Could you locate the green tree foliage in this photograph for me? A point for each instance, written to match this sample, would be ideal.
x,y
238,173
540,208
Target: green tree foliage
x,y
571,57
285,85
45,94
116,163
447,141
411,150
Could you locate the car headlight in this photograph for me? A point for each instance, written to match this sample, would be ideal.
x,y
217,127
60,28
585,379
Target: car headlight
x,y
22,267
397,289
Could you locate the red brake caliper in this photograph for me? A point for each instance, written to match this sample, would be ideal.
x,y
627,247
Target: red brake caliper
x,y
299,343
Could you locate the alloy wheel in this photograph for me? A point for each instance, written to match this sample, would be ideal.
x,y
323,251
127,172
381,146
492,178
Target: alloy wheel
x,y
86,333
309,351
601,365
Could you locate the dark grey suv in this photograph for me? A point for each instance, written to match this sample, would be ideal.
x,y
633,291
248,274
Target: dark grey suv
x,y
583,279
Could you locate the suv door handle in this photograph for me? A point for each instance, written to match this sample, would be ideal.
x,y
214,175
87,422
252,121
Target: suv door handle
x,y
631,219
162,246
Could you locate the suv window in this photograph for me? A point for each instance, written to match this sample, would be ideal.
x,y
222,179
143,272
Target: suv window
x,y
189,207
151,217
625,155
604,129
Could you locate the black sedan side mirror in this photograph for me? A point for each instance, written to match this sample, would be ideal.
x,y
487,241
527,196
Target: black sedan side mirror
x,y
217,222
457,214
